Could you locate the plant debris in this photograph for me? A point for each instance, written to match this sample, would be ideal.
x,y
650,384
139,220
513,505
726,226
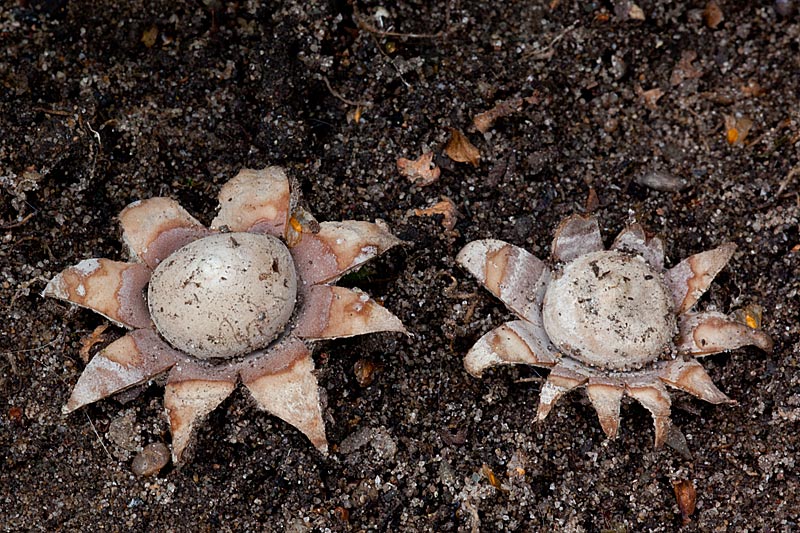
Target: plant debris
x,y
459,149
446,207
421,171
686,495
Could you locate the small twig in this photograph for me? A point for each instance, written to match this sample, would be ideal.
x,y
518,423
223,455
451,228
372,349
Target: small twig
x,y
366,26
788,179
103,444
19,223
53,112
547,52
339,96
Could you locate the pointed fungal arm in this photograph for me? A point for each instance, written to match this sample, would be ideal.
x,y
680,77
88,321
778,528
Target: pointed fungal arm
x,y
606,396
633,240
152,229
111,288
191,393
516,342
655,398
518,278
575,236
338,248
560,381
331,312
257,201
128,361
711,332
690,376
284,385
690,278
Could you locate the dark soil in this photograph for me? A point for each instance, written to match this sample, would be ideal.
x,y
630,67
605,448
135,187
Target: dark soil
x,y
103,103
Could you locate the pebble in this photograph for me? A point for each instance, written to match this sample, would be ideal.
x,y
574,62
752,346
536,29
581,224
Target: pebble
x,y
151,459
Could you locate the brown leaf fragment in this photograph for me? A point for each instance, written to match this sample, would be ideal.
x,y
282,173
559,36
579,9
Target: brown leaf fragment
x,y
149,36
686,495
87,342
736,129
484,121
446,208
712,14
684,70
422,171
650,97
459,149
490,477
366,371
592,200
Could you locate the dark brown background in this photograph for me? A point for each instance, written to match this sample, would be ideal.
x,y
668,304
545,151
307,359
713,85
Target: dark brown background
x,y
93,117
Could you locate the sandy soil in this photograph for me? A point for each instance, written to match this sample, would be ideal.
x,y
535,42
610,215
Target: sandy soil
x,y
103,103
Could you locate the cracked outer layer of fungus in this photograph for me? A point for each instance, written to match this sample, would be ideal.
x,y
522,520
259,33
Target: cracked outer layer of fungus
x,y
237,302
613,321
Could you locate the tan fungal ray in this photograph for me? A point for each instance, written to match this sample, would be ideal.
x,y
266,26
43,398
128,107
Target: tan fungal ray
x,y
690,278
606,395
560,381
154,228
128,361
711,332
516,342
338,248
655,398
690,376
575,236
193,390
633,240
284,385
111,288
256,201
518,278
331,312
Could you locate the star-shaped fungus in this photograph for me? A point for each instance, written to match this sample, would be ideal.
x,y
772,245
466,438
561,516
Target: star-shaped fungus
x,y
239,301
613,321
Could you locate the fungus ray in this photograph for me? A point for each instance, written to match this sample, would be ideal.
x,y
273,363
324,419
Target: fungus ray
x,y
110,288
338,248
690,278
515,342
633,239
255,200
655,398
575,236
128,361
331,312
606,395
712,332
690,376
285,386
515,276
152,229
193,391
560,381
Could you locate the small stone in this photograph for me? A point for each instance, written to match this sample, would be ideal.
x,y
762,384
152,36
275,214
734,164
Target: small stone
x,y
151,459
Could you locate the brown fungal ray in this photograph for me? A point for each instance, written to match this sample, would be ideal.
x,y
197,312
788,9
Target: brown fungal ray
x,y
331,312
193,390
518,278
655,398
255,200
690,278
575,236
515,342
633,240
285,386
690,376
128,361
111,288
560,381
711,332
338,248
152,229
606,395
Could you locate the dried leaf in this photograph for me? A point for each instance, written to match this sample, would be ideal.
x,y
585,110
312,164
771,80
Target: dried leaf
x,y
422,172
684,70
149,36
686,496
459,149
484,121
87,342
366,371
650,97
493,481
446,208
712,14
592,200
736,129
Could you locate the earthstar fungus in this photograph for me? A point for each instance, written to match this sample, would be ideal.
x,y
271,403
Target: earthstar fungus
x,y
614,321
239,301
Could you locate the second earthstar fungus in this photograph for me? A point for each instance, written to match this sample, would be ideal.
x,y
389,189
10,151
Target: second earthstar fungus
x,y
240,301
